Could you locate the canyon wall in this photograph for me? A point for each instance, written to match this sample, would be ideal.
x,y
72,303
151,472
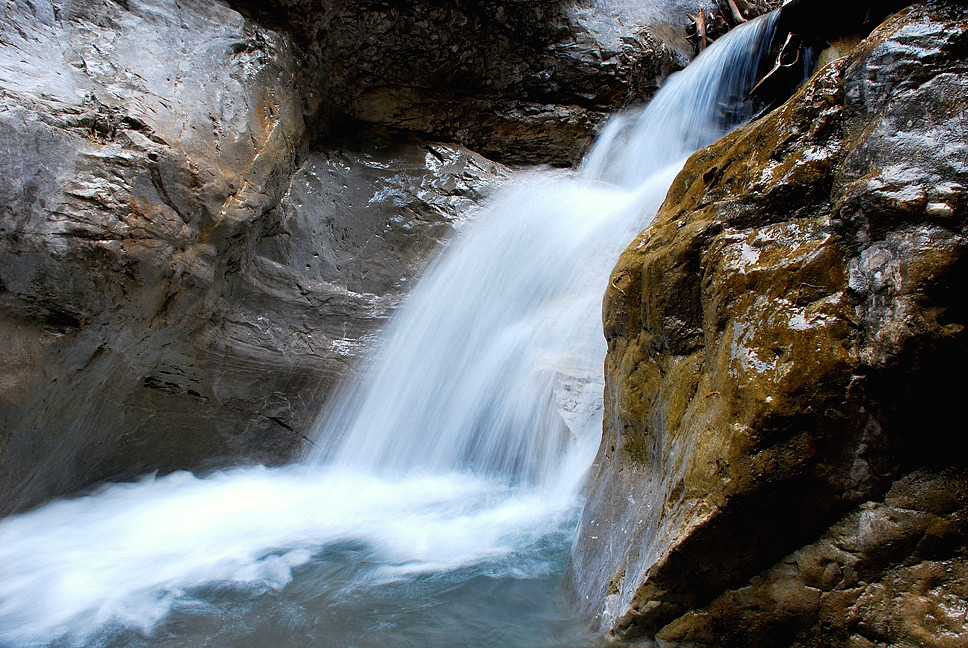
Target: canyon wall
x,y
207,210
781,463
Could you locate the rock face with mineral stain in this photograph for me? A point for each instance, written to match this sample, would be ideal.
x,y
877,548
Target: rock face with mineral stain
x,y
778,465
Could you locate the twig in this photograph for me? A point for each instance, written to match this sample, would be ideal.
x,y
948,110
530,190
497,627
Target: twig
x,y
737,14
777,66
701,29
614,283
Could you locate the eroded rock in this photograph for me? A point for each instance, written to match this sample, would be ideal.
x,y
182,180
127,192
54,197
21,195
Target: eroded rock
x,y
171,297
520,81
777,344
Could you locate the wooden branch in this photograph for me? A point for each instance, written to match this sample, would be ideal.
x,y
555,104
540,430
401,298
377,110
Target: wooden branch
x,y
779,63
701,29
737,14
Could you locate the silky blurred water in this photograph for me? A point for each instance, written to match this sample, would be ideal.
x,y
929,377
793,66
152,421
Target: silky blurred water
x,y
290,556
439,505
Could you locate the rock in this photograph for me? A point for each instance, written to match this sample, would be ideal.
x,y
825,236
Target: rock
x,y
137,143
773,470
890,573
170,297
195,243
520,81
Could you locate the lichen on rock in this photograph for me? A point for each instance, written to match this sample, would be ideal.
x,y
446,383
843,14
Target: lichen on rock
x,y
778,343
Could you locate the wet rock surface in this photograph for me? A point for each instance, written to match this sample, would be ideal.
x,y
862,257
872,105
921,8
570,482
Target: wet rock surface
x,y
137,143
181,279
520,81
778,465
205,214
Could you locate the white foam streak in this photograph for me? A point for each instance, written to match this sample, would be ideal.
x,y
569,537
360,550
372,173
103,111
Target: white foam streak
x,y
130,551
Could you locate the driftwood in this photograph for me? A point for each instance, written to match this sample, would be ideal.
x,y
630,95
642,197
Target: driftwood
x,y
701,29
710,23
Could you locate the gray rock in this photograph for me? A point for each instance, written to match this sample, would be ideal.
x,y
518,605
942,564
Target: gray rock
x,y
520,81
170,296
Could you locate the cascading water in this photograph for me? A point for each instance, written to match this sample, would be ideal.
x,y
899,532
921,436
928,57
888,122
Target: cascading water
x,y
439,503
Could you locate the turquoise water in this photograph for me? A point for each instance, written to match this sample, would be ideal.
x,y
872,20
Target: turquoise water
x,y
335,600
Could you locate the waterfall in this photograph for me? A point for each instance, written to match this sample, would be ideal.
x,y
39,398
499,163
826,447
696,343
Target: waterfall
x,y
494,363
458,448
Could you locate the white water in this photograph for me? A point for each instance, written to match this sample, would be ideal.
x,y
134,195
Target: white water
x,y
463,442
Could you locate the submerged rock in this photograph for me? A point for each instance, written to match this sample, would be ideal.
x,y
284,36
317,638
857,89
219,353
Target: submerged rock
x,y
778,465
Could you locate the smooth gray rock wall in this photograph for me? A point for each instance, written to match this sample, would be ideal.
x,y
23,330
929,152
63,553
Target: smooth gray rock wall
x,y
527,81
176,290
137,141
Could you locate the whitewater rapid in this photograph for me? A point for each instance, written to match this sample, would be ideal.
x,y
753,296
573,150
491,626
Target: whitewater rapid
x,y
130,553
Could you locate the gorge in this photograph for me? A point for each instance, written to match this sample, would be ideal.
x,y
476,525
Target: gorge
x,y
775,469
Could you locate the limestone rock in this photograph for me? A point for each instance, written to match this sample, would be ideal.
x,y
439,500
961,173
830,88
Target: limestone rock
x,y
778,345
169,295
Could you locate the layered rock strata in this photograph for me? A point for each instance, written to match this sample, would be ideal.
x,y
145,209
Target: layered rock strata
x,y
778,465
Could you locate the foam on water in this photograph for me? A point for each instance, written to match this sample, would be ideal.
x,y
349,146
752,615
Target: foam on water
x,y
463,441
128,552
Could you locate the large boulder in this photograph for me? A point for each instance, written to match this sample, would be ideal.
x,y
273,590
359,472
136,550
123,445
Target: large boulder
x,y
180,280
780,463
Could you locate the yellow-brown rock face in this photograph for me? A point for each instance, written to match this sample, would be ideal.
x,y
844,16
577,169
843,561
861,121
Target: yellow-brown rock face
x,y
785,352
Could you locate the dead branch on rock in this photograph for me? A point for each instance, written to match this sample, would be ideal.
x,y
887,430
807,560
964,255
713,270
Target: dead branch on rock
x,y
737,14
782,61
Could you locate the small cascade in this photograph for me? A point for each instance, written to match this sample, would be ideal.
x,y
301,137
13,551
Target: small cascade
x,y
694,108
453,459
494,363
